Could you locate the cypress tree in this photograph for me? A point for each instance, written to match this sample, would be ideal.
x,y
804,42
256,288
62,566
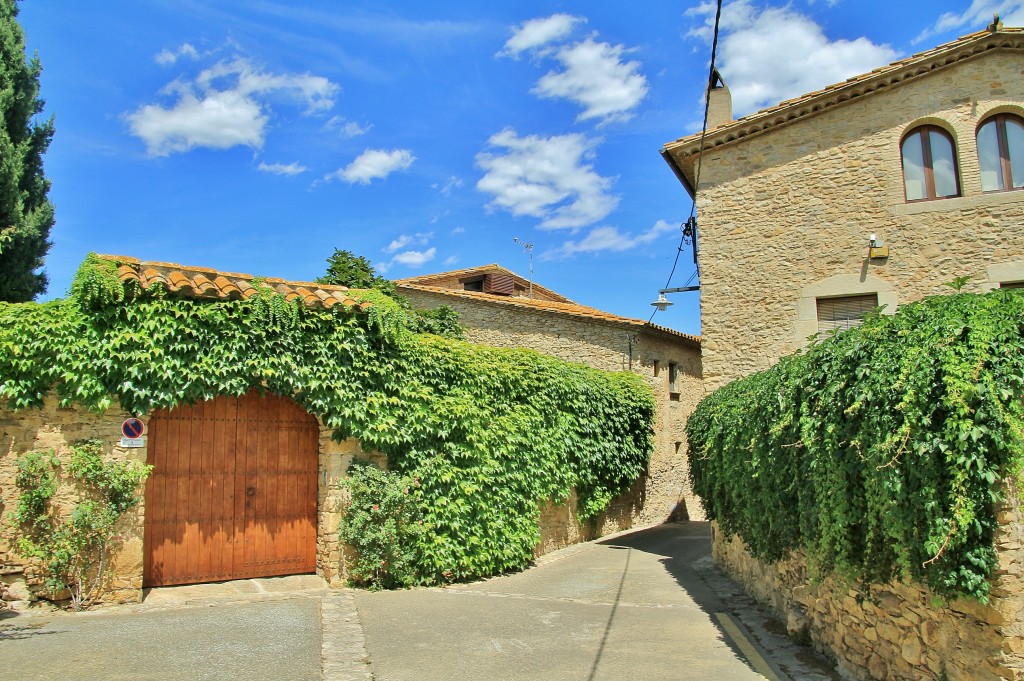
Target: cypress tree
x,y
26,214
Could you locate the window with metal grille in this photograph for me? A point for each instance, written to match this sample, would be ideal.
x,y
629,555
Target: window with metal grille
x,y
844,312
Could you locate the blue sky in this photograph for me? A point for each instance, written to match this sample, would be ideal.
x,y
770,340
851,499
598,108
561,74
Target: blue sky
x,y
257,137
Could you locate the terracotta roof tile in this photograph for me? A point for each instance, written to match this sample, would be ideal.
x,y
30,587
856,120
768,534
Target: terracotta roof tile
x,y
571,309
209,284
878,79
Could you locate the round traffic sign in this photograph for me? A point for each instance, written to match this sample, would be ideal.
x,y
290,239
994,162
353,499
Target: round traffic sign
x,y
133,428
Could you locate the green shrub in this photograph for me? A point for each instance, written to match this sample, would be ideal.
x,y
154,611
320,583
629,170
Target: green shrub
x,y
74,549
382,524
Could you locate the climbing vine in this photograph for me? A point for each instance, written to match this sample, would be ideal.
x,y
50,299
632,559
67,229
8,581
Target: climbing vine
x,y
74,548
489,432
880,452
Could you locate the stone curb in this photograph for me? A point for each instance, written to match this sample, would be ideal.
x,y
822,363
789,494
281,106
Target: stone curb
x,y
343,654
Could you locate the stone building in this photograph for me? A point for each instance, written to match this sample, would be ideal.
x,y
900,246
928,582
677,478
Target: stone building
x,y
925,156
500,308
871,192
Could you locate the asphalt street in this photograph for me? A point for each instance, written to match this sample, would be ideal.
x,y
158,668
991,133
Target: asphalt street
x,y
642,605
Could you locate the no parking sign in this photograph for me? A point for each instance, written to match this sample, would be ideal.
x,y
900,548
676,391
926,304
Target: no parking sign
x,y
131,433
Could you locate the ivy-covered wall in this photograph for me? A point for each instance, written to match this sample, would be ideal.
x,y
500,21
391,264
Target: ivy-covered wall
x,y
880,452
491,433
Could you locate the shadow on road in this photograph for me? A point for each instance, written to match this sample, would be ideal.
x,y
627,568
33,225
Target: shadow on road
x,y
684,549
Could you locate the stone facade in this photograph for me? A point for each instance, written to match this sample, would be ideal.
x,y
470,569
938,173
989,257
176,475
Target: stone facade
x,y
604,343
788,199
786,206
57,429
897,631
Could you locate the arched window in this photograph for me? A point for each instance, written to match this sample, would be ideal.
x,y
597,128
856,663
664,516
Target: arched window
x,y
1001,153
929,164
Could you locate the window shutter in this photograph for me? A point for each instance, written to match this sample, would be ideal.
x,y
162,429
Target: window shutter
x,y
499,283
844,313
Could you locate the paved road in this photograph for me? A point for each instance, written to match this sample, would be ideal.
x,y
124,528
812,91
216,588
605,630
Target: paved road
x,y
643,605
631,607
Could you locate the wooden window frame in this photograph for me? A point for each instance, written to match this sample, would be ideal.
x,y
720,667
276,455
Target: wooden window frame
x,y
1003,144
923,132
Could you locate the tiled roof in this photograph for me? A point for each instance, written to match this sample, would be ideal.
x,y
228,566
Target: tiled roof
x,y
209,284
572,309
434,279
809,104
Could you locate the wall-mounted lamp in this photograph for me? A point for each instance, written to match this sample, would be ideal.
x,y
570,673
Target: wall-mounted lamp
x,y
662,303
877,247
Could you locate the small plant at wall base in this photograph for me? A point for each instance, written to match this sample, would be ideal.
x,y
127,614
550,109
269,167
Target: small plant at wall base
x,y
383,526
74,549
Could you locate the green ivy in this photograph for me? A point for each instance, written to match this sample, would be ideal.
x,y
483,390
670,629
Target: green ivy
x,y
489,432
881,452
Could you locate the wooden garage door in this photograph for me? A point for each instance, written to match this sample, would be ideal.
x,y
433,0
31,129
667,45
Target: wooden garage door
x,y
233,491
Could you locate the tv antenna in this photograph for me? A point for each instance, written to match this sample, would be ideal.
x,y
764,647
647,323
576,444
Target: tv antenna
x,y
529,249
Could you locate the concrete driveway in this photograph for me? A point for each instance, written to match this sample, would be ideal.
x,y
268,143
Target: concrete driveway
x,y
647,604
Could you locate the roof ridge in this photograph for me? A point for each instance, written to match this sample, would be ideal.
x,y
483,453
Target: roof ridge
x,y
208,283
845,90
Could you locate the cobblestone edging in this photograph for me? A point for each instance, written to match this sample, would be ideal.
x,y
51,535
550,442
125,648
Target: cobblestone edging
x,y
343,654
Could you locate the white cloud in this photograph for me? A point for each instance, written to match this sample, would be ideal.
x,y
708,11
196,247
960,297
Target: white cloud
x,y
977,17
226,105
415,258
459,230
347,128
609,239
409,259
417,239
450,260
448,186
546,178
282,169
220,120
316,91
595,77
772,54
373,164
167,58
539,32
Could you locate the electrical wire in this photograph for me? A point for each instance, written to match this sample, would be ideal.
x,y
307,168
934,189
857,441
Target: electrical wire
x,y
700,157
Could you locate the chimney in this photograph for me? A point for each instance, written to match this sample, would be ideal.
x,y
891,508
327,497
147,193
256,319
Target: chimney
x,y
719,101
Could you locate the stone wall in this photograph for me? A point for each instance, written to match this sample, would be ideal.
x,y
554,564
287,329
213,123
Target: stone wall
x,y
897,631
57,429
785,210
665,490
